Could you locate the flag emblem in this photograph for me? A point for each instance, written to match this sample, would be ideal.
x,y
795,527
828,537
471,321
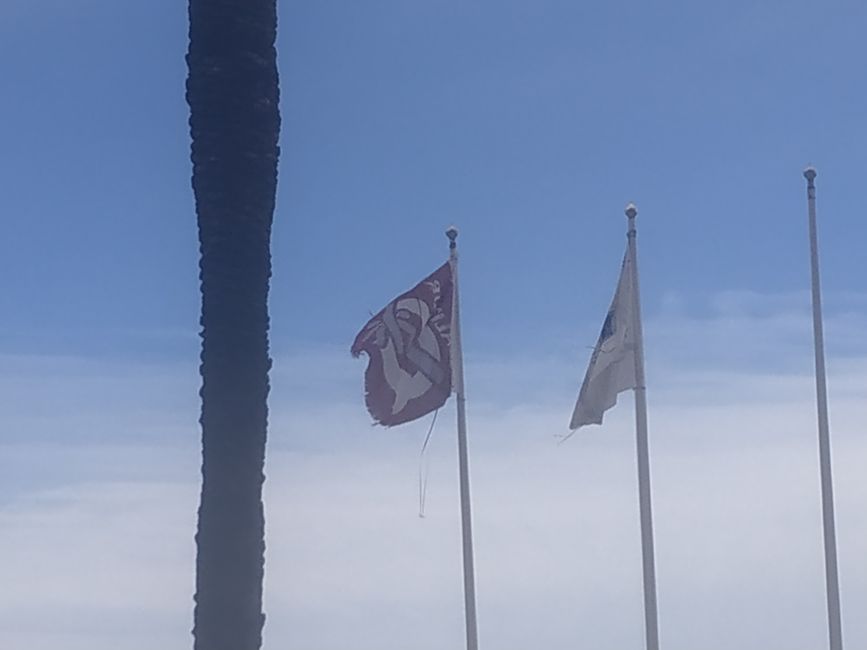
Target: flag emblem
x,y
608,328
408,344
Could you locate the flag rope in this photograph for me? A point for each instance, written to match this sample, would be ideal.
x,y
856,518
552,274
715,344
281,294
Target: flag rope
x,y
424,466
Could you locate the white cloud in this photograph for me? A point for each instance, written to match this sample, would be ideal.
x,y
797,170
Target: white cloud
x,y
98,531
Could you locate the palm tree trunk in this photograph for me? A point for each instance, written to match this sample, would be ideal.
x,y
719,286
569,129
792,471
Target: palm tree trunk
x,y
232,90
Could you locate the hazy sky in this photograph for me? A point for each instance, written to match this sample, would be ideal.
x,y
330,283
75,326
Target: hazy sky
x,y
529,125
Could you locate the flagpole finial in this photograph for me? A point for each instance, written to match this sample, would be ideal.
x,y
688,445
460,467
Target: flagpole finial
x,y
452,234
810,174
631,211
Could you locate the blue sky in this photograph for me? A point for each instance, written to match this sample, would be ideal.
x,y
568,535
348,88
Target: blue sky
x,y
529,125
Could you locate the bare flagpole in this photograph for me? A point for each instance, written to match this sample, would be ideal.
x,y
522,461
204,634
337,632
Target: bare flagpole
x,y
463,460
651,624
832,586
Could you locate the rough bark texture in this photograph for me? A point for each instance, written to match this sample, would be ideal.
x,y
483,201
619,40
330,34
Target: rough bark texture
x,y
232,90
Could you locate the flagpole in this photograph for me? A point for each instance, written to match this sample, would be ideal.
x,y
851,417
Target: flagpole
x,y
651,625
463,457
832,586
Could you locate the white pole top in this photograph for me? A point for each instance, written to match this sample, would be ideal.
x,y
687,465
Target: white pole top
x,y
631,210
810,173
452,234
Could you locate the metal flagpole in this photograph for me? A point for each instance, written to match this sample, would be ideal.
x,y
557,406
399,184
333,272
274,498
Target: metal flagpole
x,y
832,586
466,516
651,625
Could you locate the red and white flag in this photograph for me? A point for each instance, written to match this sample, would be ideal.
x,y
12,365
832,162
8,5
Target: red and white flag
x,y
408,343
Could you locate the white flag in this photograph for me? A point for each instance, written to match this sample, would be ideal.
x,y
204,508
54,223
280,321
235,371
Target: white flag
x,y
612,366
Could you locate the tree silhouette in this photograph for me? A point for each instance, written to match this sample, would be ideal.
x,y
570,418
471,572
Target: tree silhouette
x,y
232,91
